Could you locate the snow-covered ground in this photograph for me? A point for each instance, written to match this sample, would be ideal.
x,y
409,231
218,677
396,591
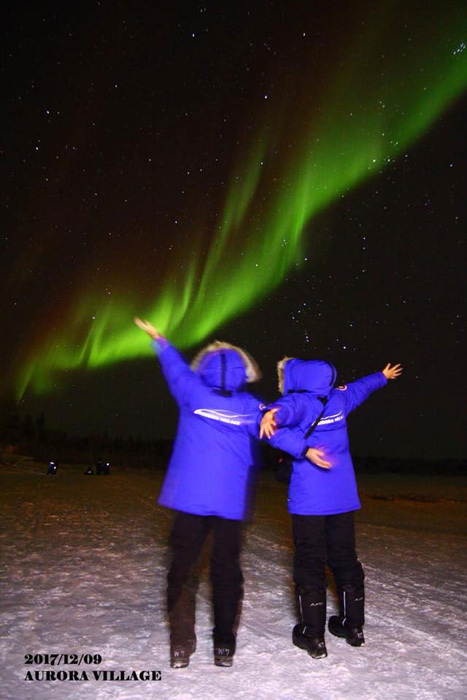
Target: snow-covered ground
x,y
84,564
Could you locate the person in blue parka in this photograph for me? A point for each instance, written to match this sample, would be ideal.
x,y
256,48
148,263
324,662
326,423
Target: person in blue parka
x,y
323,497
209,483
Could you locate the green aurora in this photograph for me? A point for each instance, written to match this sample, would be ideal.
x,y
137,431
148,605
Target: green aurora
x,y
380,98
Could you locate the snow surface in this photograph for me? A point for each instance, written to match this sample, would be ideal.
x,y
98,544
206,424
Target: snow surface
x,y
84,570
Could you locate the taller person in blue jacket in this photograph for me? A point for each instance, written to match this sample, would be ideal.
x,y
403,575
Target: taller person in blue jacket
x,y
322,501
209,482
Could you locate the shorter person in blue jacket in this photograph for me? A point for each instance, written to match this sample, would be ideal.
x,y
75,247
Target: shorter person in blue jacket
x,y
209,483
323,498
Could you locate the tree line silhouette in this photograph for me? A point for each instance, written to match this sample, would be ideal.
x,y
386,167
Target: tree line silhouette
x,y
27,435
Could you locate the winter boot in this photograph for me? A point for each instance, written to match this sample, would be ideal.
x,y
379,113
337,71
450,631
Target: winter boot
x,y
315,646
180,653
348,624
223,653
309,634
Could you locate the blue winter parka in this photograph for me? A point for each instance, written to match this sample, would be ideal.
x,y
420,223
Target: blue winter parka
x,y
314,490
211,470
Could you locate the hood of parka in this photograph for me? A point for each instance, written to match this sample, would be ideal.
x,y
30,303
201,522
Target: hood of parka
x,y
225,367
317,377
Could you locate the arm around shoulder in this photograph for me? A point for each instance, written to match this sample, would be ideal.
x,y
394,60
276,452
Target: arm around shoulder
x,y
288,410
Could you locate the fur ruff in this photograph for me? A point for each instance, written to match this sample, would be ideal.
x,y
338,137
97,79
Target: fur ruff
x,y
253,372
280,372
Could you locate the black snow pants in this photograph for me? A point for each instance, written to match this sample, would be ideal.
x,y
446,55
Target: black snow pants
x,y
321,540
189,533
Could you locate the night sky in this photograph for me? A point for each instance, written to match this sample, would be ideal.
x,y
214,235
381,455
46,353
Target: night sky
x,y
285,176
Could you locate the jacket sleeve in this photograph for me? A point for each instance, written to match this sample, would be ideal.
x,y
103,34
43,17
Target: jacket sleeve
x,y
179,376
357,392
290,441
292,410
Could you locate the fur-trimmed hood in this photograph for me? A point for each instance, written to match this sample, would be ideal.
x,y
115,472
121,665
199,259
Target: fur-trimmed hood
x,y
317,377
225,367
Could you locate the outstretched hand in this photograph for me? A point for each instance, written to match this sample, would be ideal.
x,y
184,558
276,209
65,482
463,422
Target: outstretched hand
x,y
268,424
146,326
316,456
392,372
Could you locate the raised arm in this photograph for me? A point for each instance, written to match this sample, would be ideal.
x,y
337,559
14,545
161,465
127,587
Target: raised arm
x,y
392,372
357,392
150,330
176,370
